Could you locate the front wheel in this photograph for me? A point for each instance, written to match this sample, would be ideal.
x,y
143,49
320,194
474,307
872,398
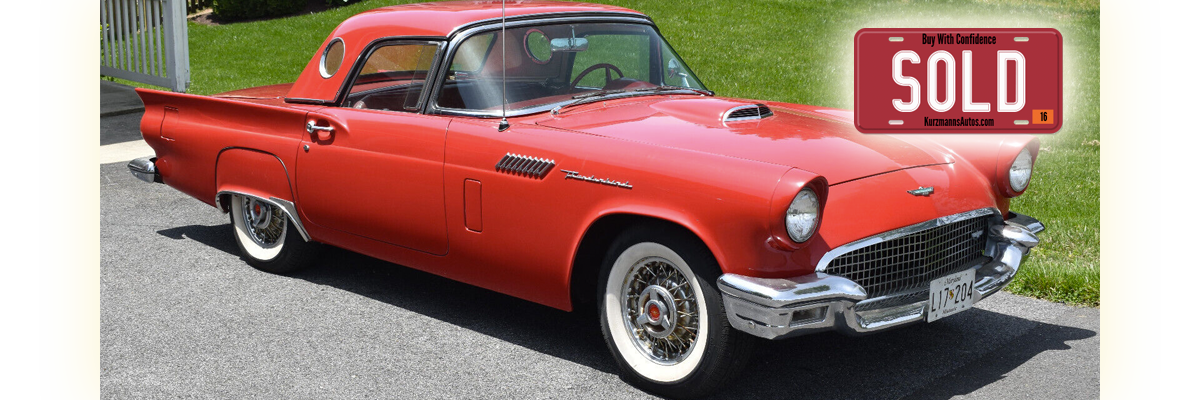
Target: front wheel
x,y
267,239
662,317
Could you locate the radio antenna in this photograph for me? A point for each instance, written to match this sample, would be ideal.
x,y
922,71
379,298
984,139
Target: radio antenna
x,y
503,67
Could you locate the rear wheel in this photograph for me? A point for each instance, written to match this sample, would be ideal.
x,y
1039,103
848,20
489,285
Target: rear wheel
x,y
267,239
663,318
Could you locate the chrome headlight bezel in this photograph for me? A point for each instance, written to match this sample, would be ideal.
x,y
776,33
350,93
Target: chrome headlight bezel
x,y
1020,172
803,215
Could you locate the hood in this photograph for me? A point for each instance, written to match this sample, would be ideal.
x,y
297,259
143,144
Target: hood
x,y
817,140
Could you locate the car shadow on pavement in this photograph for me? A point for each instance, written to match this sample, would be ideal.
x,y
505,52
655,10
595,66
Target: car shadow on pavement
x,y
544,329
533,326
953,356
219,237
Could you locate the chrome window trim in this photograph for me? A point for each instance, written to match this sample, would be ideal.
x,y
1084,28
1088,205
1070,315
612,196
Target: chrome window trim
x,y
321,66
545,107
303,100
460,35
547,16
900,232
361,61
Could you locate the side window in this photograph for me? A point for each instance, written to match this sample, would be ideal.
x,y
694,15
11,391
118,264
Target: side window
x,y
392,78
628,53
472,53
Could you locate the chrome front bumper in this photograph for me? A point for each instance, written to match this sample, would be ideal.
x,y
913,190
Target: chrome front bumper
x,y
143,168
782,308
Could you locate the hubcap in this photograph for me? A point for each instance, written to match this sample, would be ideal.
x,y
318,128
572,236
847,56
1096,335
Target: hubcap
x,y
264,223
661,310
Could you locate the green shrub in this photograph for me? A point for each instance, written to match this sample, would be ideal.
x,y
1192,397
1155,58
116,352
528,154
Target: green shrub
x,y
233,10
336,3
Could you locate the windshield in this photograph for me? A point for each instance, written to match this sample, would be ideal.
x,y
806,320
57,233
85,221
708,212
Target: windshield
x,y
551,65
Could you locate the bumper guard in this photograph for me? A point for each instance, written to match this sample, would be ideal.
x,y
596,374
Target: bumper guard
x,y
143,168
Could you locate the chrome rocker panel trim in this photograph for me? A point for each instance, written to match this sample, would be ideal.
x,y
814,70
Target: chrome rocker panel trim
x,y
143,169
784,308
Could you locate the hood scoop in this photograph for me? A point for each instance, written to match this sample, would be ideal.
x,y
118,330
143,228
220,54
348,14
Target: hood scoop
x,y
747,113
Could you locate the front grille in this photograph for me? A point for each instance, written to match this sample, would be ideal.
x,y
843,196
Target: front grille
x,y
909,263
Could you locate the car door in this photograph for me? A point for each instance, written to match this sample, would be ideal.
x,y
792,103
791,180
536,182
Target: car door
x,y
373,166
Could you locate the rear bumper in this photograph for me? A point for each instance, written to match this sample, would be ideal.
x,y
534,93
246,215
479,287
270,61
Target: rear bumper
x,y
144,169
782,308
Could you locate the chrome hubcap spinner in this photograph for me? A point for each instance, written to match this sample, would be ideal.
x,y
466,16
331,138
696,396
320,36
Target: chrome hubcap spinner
x,y
264,222
657,311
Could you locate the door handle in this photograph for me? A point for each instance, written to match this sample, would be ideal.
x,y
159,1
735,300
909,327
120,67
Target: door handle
x,y
326,131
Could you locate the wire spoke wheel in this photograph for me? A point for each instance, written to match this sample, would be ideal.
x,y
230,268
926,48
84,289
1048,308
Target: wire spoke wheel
x,y
266,235
661,310
655,313
662,317
264,223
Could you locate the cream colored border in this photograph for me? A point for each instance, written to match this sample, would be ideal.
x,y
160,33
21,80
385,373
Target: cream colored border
x,y
67,198
1132,187
1181,171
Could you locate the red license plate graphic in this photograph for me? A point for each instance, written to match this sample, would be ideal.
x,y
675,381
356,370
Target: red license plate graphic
x,y
958,80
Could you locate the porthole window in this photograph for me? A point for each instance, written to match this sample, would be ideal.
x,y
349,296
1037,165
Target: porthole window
x,y
331,59
537,46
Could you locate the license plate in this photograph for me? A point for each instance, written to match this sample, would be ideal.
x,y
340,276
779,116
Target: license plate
x,y
958,80
951,294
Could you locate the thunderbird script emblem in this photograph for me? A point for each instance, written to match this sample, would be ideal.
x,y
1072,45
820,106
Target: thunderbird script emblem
x,y
921,191
594,179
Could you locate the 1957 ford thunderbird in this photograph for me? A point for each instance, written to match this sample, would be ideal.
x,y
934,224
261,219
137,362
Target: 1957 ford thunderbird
x,y
569,157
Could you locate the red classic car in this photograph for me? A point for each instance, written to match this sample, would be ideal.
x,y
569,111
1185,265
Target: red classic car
x,y
563,153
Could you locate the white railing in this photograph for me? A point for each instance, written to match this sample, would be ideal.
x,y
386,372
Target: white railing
x,y
145,41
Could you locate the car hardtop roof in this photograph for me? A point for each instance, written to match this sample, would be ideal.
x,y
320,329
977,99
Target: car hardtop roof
x,y
429,20
442,18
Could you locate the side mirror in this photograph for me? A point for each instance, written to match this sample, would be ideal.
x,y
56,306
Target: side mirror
x,y
568,44
673,68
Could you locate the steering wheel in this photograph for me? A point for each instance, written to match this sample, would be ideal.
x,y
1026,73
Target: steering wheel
x,y
608,70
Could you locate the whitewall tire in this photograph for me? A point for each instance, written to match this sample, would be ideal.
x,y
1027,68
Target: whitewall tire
x,y
662,317
660,325
266,237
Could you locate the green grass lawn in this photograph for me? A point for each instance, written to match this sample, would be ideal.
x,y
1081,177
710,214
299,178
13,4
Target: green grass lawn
x,y
800,52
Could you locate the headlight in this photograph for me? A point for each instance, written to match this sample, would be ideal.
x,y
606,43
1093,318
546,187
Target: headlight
x,y
802,215
1020,171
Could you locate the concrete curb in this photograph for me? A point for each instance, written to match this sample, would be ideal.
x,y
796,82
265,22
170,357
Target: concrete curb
x,y
114,113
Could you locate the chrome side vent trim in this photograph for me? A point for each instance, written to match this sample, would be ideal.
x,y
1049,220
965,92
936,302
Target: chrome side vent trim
x,y
747,112
532,167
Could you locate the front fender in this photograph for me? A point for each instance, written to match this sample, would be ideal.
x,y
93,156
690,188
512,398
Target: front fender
x,y
991,155
743,239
